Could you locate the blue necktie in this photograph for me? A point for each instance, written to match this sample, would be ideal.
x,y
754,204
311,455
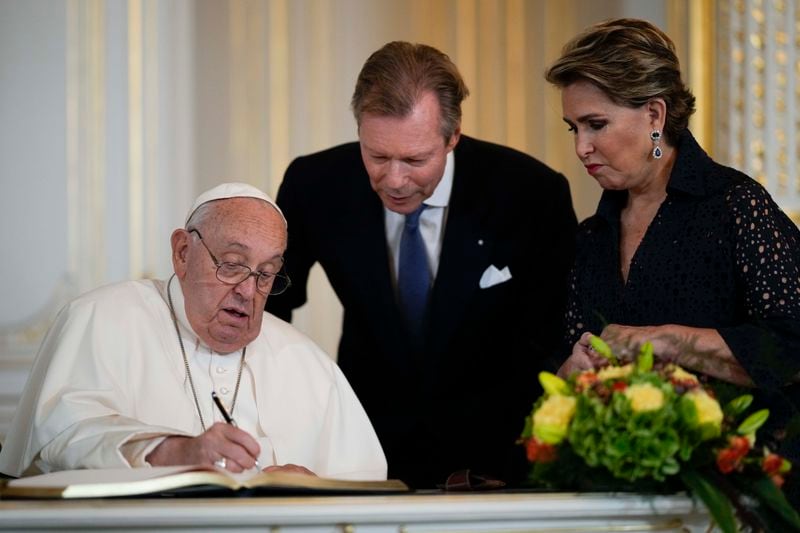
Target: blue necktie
x,y
413,277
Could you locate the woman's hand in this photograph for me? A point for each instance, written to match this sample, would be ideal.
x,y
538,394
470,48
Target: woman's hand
x,y
583,357
625,341
701,350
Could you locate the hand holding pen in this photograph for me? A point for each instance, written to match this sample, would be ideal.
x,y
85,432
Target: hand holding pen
x,y
221,462
223,445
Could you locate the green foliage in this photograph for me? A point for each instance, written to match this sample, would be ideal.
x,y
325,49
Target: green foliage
x,y
714,499
553,384
630,445
645,361
602,348
663,446
737,406
753,422
527,430
772,497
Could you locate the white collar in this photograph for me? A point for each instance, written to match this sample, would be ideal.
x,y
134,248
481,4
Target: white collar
x,y
174,288
441,195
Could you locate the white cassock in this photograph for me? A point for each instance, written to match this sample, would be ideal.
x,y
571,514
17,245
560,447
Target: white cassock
x,y
109,383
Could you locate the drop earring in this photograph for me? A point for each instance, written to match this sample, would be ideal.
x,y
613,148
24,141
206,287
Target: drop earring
x,y
655,136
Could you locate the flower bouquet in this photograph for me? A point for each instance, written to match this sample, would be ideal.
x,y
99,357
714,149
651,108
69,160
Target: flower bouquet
x,y
647,429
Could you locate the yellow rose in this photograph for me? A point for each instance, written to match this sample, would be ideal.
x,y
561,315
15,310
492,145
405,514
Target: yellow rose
x,y
679,374
645,397
614,372
551,420
708,409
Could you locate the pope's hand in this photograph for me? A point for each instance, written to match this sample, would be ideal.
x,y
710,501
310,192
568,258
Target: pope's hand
x,y
223,444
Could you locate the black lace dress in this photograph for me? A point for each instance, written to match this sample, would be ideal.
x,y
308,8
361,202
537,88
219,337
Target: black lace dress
x,y
719,254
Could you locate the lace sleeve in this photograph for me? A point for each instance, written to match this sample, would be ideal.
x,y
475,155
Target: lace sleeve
x,y
766,253
767,260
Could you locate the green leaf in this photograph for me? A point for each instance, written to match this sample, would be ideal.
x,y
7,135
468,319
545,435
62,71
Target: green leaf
x,y
527,430
552,384
715,501
602,348
753,422
549,434
688,411
738,405
645,361
771,496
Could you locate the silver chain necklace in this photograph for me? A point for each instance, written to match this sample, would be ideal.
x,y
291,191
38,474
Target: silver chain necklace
x,y
186,361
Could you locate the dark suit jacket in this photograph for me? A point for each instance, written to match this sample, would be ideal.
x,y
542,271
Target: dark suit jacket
x,y
460,401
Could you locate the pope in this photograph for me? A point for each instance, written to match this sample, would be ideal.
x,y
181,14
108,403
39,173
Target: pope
x,y
124,377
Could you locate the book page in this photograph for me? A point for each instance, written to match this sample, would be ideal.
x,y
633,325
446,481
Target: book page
x,y
66,478
100,483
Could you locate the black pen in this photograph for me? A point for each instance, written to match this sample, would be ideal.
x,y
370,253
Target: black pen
x,y
228,418
226,415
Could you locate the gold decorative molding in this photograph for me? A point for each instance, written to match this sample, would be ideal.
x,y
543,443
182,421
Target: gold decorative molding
x,y
135,137
152,157
86,140
702,68
143,135
248,94
466,57
759,102
516,90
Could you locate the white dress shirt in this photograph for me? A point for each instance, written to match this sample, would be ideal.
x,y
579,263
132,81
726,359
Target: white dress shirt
x,y
431,222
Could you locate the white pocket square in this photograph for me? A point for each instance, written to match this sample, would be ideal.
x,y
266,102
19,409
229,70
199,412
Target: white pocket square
x,y
491,277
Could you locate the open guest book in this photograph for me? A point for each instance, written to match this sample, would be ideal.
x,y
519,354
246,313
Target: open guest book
x,y
183,481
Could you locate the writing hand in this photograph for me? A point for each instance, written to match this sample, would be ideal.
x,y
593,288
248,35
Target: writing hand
x,y
220,441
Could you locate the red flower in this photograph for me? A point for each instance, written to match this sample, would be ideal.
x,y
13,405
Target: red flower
x,y
585,380
740,445
777,479
619,386
539,452
772,464
727,460
730,458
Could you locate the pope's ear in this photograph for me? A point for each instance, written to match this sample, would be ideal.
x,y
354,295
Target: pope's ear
x,y
180,250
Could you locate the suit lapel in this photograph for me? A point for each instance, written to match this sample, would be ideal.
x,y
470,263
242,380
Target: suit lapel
x,y
465,252
365,251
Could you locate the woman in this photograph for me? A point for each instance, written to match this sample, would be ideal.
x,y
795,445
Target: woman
x,y
683,252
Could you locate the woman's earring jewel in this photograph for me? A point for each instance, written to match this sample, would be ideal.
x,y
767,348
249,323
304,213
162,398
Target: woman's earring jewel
x,y
655,136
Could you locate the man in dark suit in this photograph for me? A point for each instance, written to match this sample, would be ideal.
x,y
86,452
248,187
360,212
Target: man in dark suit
x,y
449,256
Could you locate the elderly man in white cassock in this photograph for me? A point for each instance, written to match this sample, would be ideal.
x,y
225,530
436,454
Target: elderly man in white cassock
x,y
125,376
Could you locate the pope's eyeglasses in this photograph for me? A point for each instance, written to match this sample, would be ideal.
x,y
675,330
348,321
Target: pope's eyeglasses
x,y
236,273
